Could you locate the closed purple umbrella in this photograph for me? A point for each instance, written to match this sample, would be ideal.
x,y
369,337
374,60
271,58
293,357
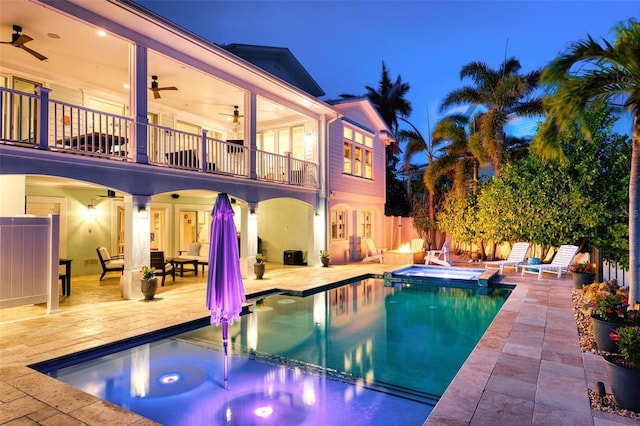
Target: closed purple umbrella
x,y
225,292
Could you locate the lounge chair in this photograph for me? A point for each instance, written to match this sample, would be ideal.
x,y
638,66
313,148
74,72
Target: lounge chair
x,y
517,256
439,257
558,265
417,244
161,266
115,263
371,252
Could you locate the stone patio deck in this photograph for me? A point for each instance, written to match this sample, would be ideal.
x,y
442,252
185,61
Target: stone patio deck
x,y
527,369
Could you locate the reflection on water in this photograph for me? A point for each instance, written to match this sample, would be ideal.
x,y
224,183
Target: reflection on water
x,y
408,337
407,341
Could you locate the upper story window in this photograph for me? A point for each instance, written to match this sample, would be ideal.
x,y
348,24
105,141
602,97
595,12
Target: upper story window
x,y
283,140
357,153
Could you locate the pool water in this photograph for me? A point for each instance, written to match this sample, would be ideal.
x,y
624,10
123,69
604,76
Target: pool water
x,y
358,354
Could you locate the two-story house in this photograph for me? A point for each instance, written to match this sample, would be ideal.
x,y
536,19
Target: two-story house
x,y
127,126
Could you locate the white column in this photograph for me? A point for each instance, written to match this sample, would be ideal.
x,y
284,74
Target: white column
x,y
249,238
136,243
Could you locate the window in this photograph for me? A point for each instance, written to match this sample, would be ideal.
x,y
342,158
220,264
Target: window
x,y
368,167
357,153
358,170
338,225
366,225
347,157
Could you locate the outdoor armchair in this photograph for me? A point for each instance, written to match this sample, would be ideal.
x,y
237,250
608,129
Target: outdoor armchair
x,y
108,263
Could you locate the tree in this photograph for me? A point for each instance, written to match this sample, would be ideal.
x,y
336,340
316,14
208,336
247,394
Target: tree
x,y
588,71
463,153
391,102
390,99
505,93
416,144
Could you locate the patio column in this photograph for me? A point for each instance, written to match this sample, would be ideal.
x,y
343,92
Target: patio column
x,y
249,238
136,243
138,101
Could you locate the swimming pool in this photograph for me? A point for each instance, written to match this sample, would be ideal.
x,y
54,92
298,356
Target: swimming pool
x,y
351,354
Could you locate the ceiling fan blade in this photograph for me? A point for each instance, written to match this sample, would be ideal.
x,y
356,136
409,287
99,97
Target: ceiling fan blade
x,y
156,95
34,53
167,88
22,39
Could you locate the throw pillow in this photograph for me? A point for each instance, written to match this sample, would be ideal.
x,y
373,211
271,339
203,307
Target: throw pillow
x,y
194,249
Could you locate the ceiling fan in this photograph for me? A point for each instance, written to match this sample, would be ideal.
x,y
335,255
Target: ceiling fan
x,y
155,88
19,40
236,115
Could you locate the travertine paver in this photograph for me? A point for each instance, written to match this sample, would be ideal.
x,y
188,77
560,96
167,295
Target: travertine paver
x,y
527,369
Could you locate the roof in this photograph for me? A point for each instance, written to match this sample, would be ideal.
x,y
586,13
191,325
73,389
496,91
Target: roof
x,y
278,61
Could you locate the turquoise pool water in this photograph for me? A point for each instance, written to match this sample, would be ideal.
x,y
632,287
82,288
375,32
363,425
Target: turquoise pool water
x,y
361,353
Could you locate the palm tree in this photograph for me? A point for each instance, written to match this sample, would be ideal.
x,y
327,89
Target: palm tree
x,y
416,144
390,99
588,71
391,102
464,153
504,92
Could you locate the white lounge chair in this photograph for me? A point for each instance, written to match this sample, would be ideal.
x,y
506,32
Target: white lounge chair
x,y
371,252
439,257
558,265
417,244
517,256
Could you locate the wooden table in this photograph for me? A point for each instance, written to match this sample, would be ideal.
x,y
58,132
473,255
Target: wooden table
x,y
66,278
181,262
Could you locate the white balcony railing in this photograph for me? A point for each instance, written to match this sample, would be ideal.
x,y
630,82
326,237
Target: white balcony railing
x,y
18,113
79,130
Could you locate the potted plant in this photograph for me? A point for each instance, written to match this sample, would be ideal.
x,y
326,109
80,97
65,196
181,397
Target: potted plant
x,y
624,370
148,282
258,267
608,311
325,257
583,273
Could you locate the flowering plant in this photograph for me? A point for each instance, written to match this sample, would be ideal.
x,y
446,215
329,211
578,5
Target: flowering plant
x,y
148,273
260,258
628,340
610,307
583,268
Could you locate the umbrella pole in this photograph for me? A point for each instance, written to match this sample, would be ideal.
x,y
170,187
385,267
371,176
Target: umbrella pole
x,y
225,341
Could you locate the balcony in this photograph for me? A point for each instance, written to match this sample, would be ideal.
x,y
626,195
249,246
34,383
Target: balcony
x,y
35,121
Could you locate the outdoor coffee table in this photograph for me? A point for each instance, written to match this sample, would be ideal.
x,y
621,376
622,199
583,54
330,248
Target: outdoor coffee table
x,y
181,262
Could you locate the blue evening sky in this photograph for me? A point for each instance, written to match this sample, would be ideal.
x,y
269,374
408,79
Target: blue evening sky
x,y
342,43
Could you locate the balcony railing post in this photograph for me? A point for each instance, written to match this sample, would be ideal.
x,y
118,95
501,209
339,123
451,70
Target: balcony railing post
x,y
289,174
203,151
42,130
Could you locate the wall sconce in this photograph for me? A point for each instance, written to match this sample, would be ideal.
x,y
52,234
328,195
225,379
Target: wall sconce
x,y
252,211
143,213
91,210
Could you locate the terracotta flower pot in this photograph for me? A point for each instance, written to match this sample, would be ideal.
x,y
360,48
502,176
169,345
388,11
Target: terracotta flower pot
x,y
624,383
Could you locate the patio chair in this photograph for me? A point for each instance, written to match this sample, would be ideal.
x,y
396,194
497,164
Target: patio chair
x,y
517,256
558,265
115,263
162,267
371,252
417,244
439,257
